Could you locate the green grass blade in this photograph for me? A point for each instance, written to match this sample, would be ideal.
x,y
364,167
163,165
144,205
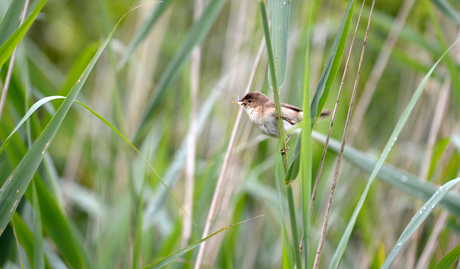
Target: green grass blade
x,y
417,220
26,238
332,64
288,252
166,260
18,181
143,32
10,44
11,20
63,232
447,9
39,261
393,176
282,139
47,99
279,15
306,152
196,34
448,261
294,166
402,121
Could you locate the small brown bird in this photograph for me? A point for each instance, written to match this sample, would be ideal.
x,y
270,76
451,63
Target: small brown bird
x,y
261,111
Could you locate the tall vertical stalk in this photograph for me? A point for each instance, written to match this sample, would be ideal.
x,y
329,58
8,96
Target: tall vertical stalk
x,y
305,153
290,195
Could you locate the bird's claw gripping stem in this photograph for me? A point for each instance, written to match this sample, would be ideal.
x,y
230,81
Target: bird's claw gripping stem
x,y
283,151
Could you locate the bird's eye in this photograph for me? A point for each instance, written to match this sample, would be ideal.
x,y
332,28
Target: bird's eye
x,y
249,101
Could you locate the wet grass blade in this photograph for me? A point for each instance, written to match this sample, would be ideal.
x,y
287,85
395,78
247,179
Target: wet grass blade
x,y
332,64
402,121
10,44
196,34
417,220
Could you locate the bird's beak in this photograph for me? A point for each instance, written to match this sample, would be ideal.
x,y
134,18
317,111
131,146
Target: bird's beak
x,y
239,102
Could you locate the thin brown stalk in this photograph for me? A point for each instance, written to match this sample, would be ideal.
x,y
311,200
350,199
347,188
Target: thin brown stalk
x,y
190,163
437,119
234,50
379,67
342,146
334,113
220,181
9,74
432,241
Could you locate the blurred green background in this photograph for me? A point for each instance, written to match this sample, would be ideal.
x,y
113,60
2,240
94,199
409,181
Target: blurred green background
x,y
95,180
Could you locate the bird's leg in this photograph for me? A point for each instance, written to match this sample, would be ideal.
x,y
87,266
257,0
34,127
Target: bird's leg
x,y
284,151
288,137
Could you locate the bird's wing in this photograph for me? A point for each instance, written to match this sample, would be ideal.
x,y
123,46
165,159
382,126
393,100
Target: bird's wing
x,y
272,103
290,112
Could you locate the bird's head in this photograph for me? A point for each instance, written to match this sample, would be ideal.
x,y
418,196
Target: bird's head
x,y
252,100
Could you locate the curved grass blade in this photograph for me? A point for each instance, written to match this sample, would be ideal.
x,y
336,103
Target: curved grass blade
x,y
279,15
448,261
47,99
402,121
393,176
32,109
332,64
142,33
196,34
166,260
11,20
417,220
10,44
18,181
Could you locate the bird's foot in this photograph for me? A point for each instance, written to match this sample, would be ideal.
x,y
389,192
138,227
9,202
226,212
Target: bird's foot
x,y
284,151
285,118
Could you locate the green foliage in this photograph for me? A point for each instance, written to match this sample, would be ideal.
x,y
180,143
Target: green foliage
x,y
81,197
449,260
